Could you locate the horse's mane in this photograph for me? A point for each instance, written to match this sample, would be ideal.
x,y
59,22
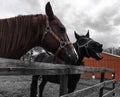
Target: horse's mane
x,y
20,30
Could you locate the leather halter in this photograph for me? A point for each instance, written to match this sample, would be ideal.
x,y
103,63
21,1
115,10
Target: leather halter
x,y
86,47
62,44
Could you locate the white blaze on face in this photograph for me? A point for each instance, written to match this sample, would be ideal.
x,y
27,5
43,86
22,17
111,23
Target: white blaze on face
x,y
75,52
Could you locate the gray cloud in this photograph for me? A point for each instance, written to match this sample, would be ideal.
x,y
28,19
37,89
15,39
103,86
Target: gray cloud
x,y
116,20
103,25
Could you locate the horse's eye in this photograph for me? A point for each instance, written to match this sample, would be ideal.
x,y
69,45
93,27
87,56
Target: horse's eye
x,y
93,45
48,29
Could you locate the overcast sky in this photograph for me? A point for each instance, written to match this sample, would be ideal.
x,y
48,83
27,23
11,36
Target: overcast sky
x,y
101,17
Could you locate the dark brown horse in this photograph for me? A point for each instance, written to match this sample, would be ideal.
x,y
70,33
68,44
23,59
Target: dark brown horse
x,y
85,47
20,34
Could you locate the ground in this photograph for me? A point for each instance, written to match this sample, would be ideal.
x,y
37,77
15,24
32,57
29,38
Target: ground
x,y
19,86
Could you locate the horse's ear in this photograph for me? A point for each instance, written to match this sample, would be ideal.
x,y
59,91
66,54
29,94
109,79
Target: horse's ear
x,y
49,11
76,35
88,35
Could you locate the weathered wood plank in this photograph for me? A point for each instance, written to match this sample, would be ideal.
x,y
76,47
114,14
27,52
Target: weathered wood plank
x,y
17,67
63,84
101,80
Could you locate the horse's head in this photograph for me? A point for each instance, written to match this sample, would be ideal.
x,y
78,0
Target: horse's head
x,y
87,47
55,38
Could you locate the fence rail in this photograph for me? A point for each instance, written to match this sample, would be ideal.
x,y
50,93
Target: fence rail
x,y
17,67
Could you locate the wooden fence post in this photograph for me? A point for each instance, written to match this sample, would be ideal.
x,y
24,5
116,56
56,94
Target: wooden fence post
x,y
113,77
63,84
101,80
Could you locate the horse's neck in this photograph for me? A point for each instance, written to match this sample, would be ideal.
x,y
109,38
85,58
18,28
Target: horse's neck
x,y
39,23
81,57
26,35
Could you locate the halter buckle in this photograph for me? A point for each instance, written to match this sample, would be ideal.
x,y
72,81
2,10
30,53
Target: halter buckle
x,y
62,44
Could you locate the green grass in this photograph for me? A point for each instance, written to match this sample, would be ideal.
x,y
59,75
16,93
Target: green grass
x,y
19,86
14,86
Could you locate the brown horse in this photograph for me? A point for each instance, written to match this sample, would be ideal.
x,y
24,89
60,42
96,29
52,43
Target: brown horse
x,y
20,34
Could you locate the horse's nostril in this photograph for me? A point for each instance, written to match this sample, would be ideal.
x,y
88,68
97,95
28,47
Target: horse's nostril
x,y
69,55
73,59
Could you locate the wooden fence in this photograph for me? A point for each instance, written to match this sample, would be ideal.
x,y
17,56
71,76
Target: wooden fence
x,y
92,89
17,67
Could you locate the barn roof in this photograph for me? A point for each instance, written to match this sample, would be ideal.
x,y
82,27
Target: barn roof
x,y
111,54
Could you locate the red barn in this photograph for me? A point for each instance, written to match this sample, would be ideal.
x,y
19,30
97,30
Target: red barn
x,y
108,61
